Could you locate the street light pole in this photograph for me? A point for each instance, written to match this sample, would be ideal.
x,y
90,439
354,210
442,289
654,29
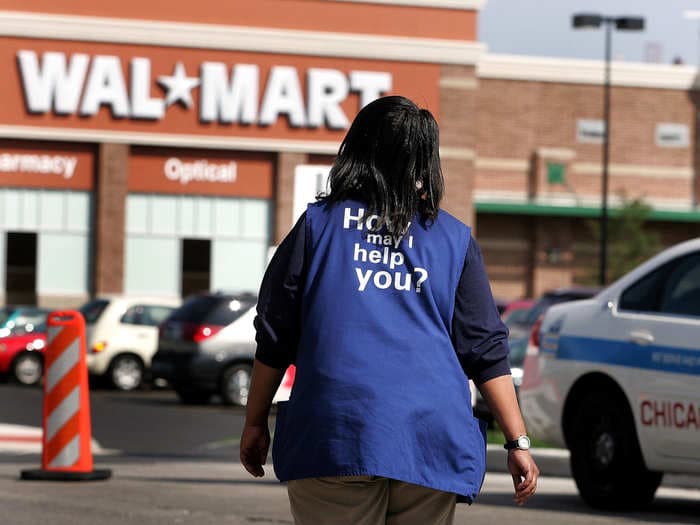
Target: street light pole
x,y
624,23
602,275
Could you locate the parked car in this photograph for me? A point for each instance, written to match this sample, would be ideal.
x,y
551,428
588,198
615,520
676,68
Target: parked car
x,y
22,343
615,379
19,320
519,335
122,336
207,347
516,311
7,310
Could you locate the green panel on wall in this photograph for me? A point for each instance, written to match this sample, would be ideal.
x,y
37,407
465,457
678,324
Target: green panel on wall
x,y
555,173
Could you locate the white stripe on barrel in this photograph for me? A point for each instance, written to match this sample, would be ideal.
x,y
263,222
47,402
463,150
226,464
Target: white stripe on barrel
x,y
62,413
64,364
53,332
69,455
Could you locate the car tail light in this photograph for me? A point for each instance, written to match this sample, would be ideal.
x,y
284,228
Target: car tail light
x,y
288,379
202,332
535,334
531,366
98,347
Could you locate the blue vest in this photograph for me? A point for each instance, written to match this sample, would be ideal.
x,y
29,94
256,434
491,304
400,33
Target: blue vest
x,y
379,390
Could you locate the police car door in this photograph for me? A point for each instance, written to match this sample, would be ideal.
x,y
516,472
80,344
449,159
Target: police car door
x,y
659,315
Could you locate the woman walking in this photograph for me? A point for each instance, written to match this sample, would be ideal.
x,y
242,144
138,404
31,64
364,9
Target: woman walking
x,y
381,300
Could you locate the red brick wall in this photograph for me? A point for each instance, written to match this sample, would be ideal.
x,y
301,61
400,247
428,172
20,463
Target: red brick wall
x,y
111,191
284,192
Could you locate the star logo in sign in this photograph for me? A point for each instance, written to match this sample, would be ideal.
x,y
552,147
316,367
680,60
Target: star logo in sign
x,y
179,86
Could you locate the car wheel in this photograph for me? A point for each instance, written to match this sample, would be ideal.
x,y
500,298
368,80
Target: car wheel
x,y
126,372
606,461
28,368
192,396
235,384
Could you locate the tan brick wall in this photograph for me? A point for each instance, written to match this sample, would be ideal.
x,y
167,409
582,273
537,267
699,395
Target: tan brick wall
x,y
552,254
284,192
589,185
505,242
457,120
500,180
515,118
62,301
111,191
459,180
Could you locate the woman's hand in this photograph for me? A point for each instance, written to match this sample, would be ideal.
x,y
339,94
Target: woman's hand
x,y
499,393
255,443
525,473
255,440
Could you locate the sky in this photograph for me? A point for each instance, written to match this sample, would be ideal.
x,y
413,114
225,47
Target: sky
x,y
543,28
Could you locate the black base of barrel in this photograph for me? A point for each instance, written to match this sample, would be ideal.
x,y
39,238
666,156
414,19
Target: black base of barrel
x,y
59,475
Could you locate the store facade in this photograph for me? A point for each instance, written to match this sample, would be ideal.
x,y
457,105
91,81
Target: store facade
x,y
190,128
194,138
46,204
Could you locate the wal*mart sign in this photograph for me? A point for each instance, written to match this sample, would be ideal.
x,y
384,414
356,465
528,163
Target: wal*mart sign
x,y
81,84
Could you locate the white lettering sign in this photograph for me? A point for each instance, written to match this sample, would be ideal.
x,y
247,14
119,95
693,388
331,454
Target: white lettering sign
x,y
227,94
43,164
671,135
199,170
590,131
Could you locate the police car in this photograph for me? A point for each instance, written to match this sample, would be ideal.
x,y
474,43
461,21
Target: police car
x,y
616,379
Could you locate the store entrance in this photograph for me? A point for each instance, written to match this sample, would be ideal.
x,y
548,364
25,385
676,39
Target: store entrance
x,y
20,268
196,266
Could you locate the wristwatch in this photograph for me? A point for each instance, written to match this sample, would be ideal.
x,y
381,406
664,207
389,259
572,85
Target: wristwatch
x,y
521,443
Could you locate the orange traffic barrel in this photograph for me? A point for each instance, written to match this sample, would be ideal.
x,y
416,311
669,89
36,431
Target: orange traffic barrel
x,y
67,437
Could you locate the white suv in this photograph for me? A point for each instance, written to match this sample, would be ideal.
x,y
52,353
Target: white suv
x,y
122,336
616,379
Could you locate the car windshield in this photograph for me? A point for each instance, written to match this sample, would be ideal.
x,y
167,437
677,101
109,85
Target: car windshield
x,y
5,313
551,299
93,310
518,316
25,321
212,309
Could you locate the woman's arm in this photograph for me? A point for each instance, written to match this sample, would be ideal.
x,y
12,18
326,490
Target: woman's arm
x,y
499,394
481,341
255,440
277,336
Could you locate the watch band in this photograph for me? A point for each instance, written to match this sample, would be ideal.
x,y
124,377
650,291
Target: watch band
x,y
520,443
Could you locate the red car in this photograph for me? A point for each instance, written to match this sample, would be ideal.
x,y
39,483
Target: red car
x,y
22,357
22,343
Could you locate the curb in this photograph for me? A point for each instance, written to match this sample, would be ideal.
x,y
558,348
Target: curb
x,y
550,461
555,462
22,439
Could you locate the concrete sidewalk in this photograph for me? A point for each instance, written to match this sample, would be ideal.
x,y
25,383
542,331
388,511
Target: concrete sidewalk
x,y
167,491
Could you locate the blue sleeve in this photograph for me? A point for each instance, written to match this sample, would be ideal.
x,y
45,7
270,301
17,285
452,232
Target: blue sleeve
x,y
277,323
479,336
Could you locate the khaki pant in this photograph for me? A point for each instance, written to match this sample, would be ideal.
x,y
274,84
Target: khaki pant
x,y
368,500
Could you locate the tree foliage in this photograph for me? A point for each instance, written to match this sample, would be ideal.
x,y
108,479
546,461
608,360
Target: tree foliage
x,y
629,242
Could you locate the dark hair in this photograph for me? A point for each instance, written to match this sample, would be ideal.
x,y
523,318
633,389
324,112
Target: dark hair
x,y
389,160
